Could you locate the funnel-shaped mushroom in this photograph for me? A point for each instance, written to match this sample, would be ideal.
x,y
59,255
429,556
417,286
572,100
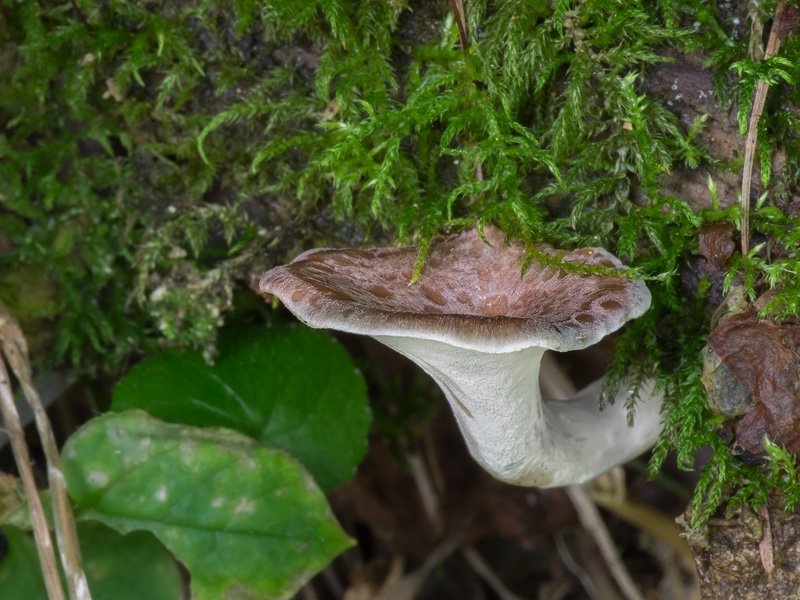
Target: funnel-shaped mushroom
x,y
480,331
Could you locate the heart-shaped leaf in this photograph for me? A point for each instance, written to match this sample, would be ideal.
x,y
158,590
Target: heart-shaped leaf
x,y
243,518
291,388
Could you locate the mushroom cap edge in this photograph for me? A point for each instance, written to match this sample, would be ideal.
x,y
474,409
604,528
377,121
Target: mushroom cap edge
x,y
332,289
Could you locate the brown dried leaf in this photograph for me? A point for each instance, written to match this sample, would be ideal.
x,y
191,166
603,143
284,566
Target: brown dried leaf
x,y
715,243
765,545
763,354
790,21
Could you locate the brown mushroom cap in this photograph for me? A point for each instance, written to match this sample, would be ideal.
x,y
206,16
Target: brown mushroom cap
x,y
470,294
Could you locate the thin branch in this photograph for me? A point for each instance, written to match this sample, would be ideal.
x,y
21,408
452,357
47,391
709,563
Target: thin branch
x,y
776,34
15,350
765,546
333,582
41,532
429,451
485,572
458,11
407,587
461,21
591,520
427,491
645,517
556,385
575,568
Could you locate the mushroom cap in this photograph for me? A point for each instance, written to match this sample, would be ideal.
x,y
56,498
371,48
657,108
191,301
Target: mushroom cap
x,y
470,295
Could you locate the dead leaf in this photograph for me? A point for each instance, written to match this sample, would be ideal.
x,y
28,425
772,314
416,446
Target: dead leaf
x,y
715,243
765,545
791,20
792,208
763,355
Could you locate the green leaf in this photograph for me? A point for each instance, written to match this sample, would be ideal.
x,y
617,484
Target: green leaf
x,y
118,567
243,519
127,567
20,572
291,388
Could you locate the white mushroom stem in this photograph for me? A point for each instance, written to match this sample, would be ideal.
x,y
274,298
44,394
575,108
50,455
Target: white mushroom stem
x,y
516,436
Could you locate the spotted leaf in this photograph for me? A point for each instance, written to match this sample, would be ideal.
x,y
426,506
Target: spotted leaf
x,y
246,520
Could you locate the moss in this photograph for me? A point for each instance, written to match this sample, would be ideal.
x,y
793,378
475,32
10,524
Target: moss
x,y
156,155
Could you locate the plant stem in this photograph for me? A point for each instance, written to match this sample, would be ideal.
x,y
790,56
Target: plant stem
x,y
41,532
773,45
15,350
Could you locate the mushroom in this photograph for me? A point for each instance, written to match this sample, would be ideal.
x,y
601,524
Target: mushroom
x,y
480,330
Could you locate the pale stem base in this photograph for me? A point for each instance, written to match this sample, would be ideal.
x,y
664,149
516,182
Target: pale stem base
x,y
515,435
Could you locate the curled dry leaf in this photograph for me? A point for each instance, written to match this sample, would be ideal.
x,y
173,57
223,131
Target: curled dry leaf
x,y
763,355
715,244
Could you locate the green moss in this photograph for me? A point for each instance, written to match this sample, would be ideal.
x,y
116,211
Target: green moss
x,y
156,155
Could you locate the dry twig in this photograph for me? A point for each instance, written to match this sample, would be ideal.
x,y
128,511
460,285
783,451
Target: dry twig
x,y
461,22
15,350
556,385
765,544
485,572
41,532
574,568
407,586
644,517
427,491
776,35
592,522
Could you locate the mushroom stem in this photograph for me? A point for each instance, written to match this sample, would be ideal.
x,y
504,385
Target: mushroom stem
x,y
515,435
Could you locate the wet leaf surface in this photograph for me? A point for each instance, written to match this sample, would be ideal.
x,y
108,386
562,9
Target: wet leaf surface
x,y
763,355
